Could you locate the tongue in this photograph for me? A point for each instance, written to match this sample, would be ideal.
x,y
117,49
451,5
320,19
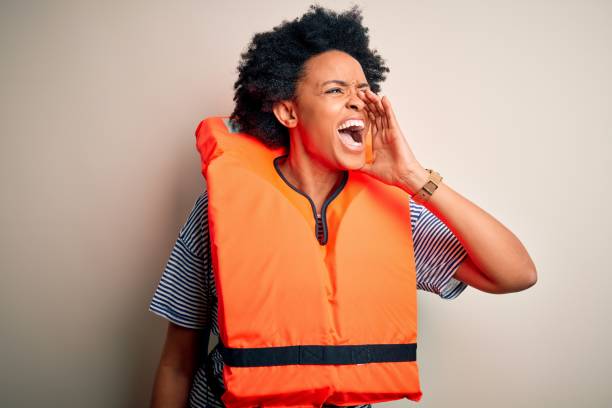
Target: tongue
x,y
351,134
347,138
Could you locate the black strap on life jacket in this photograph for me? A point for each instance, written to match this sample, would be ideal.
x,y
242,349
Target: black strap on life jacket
x,y
346,354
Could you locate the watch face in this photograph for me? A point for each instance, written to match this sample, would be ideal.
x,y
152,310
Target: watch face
x,y
430,187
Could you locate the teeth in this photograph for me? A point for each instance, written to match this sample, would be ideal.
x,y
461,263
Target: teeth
x,y
351,122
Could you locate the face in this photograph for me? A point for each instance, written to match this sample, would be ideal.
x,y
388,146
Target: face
x,y
331,122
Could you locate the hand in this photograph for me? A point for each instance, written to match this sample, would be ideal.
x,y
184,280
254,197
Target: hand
x,y
392,159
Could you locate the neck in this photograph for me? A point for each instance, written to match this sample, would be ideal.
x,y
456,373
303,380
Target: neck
x,y
309,175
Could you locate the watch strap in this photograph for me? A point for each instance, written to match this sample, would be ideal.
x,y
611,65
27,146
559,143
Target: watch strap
x,y
434,180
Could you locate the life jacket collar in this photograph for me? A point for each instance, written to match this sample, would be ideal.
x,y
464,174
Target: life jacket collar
x,y
321,221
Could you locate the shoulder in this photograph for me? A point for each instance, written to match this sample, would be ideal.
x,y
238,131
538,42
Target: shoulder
x,y
182,294
194,233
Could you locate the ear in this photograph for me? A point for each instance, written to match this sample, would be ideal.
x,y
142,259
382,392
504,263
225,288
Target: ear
x,y
285,112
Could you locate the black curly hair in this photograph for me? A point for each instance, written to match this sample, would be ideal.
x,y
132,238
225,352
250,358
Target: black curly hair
x,y
274,62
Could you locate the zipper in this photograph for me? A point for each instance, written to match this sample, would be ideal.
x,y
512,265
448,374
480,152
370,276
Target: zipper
x,y
319,230
320,220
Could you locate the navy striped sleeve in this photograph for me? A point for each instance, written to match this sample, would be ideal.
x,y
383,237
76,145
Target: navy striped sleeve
x,y
438,254
182,294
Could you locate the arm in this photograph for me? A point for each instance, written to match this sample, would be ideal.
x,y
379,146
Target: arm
x,y
497,261
437,254
183,298
176,367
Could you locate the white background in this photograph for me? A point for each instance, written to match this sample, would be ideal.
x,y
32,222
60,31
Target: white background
x,y
509,100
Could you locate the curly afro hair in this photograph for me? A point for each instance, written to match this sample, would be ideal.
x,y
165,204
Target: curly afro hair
x,y
274,62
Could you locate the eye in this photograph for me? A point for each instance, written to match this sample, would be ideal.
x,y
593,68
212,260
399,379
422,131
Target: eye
x,y
333,89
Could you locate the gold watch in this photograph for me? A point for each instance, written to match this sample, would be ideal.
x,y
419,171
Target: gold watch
x,y
428,189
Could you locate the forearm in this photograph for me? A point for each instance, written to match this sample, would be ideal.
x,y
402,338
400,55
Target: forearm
x,y
171,389
496,251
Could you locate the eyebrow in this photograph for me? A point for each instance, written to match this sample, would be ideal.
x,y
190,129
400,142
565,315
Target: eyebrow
x,y
344,83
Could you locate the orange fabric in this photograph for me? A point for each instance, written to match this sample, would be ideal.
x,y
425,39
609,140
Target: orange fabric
x,y
278,286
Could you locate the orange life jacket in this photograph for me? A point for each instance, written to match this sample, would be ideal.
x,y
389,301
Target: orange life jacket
x,y
309,312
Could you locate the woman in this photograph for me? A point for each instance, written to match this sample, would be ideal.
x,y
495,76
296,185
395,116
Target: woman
x,y
310,86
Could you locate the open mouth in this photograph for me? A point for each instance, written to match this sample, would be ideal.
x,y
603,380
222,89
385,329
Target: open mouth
x,y
351,133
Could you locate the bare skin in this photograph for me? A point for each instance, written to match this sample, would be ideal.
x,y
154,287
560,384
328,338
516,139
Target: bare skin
x,y
317,157
497,261
176,367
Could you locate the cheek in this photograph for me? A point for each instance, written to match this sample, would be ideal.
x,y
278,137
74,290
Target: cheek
x,y
320,138
320,143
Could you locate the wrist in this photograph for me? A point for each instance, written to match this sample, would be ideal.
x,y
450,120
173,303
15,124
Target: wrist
x,y
414,179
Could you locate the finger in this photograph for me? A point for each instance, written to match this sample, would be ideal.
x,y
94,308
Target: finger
x,y
368,111
371,102
391,118
361,94
372,113
381,112
378,109
373,126
378,117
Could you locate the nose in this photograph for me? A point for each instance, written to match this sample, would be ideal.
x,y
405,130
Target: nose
x,y
354,102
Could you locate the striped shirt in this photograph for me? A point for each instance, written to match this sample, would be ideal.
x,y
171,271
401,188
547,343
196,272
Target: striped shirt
x,y
186,294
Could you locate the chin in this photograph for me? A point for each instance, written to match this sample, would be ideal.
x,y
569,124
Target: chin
x,y
351,162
